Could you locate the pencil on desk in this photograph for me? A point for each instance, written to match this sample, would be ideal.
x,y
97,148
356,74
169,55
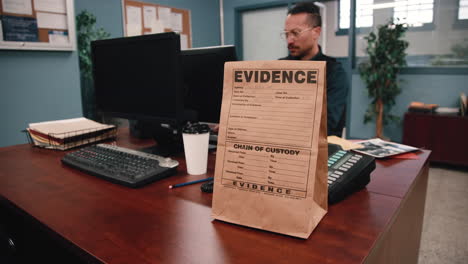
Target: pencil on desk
x,y
188,183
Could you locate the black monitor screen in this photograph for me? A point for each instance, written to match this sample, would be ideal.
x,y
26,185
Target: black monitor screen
x,y
203,70
139,77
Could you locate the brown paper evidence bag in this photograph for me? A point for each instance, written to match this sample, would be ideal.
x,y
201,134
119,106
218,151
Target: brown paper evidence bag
x,y
271,163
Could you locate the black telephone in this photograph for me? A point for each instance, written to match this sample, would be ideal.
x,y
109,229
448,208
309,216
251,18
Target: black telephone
x,y
348,172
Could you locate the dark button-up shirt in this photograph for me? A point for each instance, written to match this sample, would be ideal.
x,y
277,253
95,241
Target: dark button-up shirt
x,y
337,91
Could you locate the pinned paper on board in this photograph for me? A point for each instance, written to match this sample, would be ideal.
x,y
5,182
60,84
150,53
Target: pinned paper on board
x,y
20,29
27,25
49,20
176,22
54,6
20,7
183,42
157,27
58,37
1,31
133,30
164,16
134,23
149,16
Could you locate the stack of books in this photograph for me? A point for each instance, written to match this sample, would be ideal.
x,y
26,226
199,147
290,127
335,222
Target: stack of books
x,y
69,133
422,107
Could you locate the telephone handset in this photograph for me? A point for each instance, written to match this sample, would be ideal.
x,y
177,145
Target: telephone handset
x,y
348,172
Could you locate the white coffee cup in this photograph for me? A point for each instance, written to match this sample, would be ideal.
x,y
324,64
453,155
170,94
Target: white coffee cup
x,y
196,138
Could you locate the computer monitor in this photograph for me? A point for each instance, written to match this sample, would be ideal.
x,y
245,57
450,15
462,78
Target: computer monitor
x,y
203,70
140,78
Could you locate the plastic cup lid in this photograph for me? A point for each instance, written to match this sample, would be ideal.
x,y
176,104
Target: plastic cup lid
x,y
195,128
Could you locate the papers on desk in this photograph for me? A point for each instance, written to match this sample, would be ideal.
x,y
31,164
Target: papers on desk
x,y
448,110
381,149
343,143
69,133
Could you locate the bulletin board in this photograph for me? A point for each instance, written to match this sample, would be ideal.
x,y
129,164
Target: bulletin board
x,y
37,25
147,18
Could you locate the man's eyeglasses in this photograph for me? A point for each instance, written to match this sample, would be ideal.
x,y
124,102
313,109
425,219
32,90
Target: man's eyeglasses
x,y
295,33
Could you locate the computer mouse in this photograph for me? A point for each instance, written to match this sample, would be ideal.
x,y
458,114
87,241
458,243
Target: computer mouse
x,y
168,163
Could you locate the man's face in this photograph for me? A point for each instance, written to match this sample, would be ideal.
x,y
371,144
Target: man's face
x,y
302,38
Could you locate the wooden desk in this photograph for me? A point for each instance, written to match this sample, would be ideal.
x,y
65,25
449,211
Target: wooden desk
x,y
94,220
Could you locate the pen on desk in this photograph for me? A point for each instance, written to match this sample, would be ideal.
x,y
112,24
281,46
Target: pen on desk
x,y
188,183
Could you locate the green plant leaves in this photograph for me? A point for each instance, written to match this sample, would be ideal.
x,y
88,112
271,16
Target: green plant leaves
x,y
87,32
386,50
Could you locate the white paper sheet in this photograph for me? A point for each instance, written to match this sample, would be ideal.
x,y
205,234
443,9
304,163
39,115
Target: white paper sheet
x,y
134,23
1,31
157,27
164,16
48,20
57,6
176,22
23,7
58,37
183,42
133,30
149,16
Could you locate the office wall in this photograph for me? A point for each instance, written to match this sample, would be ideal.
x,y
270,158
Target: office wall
x,y
229,14
45,85
442,37
442,89
36,86
204,17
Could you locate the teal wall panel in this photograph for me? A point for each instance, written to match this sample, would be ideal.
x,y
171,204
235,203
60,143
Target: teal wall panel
x,y
230,7
45,85
36,86
441,89
204,17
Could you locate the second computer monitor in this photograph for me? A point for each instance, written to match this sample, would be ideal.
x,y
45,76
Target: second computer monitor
x,y
203,71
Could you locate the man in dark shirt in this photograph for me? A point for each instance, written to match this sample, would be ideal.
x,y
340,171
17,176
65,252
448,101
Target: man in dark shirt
x,y
302,30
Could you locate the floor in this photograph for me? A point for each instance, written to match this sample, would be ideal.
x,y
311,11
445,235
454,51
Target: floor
x,y
445,229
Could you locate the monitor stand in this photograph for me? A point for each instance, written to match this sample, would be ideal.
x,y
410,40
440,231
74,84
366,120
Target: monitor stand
x,y
165,150
168,140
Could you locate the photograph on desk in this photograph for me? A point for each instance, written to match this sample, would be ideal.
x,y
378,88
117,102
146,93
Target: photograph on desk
x,y
379,148
69,133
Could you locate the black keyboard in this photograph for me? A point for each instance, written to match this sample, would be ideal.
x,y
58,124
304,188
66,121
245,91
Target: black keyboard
x,y
121,165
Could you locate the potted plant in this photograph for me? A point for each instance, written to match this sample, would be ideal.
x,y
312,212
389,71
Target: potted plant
x,y
87,32
387,56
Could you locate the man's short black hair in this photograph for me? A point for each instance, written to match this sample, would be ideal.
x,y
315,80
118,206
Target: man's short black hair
x,y
310,8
